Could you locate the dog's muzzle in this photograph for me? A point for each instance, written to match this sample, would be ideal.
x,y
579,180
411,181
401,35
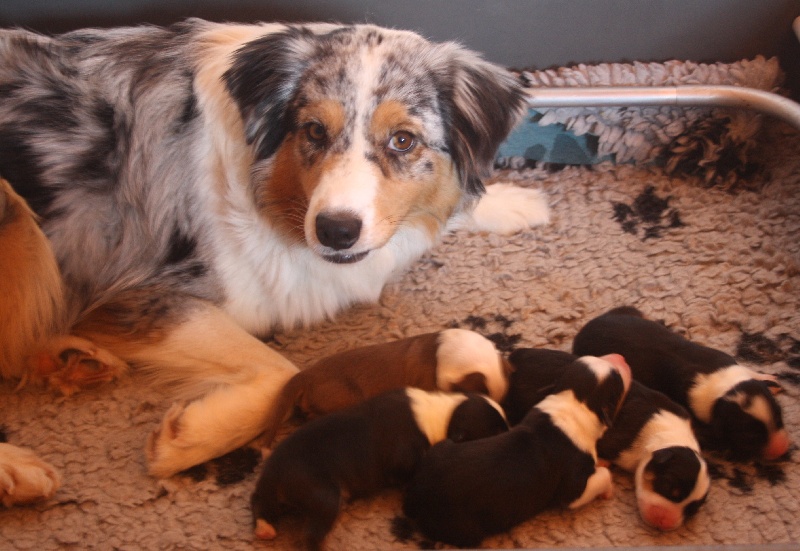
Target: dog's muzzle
x,y
339,231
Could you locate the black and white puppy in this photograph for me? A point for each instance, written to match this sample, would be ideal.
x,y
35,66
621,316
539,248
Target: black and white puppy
x,y
651,437
358,451
464,493
734,405
452,360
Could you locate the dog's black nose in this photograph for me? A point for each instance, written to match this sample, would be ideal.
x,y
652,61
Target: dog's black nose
x,y
338,230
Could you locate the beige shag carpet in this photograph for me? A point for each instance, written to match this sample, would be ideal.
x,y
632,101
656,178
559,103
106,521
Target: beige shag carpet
x,y
722,267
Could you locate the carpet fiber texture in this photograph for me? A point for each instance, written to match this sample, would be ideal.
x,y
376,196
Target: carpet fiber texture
x,y
721,267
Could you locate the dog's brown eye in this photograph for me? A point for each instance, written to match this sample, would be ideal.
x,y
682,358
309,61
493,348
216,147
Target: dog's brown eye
x,y
402,141
316,132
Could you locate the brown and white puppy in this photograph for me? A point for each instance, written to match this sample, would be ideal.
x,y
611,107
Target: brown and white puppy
x,y
358,451
734,406
460,494
205,184
651,437
452,360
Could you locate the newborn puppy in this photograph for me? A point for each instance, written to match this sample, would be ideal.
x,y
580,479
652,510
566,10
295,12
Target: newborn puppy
x,y
462,493
453,360
651,437
734,404
358,451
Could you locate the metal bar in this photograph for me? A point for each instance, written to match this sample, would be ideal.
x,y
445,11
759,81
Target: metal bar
x,y
738,97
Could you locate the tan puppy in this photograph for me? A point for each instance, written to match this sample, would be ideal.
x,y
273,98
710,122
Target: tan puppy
x,y
453,360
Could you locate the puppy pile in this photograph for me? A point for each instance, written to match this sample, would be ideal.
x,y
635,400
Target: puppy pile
x,y
431,414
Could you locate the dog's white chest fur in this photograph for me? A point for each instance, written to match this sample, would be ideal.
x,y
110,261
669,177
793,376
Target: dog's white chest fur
x,y
287,286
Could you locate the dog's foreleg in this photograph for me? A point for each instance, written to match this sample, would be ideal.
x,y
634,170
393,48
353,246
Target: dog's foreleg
x,y
231,380
597,485
505,209
24,478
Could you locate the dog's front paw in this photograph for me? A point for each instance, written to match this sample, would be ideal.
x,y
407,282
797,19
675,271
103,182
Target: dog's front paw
x,y
211,426
506,209
24,478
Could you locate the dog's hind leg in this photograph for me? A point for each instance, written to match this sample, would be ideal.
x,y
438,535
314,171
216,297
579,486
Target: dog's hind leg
x,y
70,363
597,485
35,346
226,378
30,285
321,507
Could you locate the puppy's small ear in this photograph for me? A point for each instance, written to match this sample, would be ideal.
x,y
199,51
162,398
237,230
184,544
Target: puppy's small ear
x,y
607,416
482,103
770,381
262,80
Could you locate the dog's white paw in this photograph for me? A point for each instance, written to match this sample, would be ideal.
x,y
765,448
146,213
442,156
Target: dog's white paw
x,y
24,478
505,209
227,419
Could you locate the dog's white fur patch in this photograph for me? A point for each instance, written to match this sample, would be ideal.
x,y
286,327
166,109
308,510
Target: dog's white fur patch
x,y
432,411
664,429
460,352
505,209
708,388
574,419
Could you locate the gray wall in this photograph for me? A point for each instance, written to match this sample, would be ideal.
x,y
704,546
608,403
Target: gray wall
x,y
515,33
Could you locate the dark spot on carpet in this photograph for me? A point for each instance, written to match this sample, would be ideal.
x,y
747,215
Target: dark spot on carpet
x,y
198,473
771,472
235,466
648,217
495,328
760,349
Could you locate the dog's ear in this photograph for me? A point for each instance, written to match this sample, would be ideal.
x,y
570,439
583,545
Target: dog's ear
x,y
262,79
482,103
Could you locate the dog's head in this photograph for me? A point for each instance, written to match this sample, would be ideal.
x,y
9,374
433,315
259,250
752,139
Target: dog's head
x,y
359,131
671,486
601,383
747,421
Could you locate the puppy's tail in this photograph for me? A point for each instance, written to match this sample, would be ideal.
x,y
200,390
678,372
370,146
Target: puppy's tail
x,y
283,405
30,285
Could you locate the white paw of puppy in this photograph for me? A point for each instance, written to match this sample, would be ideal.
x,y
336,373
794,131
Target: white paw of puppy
x,y
505,209
24,478
599,484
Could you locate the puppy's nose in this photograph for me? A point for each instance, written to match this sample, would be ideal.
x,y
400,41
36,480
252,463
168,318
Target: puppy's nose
x,y
338,230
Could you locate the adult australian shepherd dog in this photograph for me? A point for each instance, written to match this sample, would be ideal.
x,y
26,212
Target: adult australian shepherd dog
x,y
204,184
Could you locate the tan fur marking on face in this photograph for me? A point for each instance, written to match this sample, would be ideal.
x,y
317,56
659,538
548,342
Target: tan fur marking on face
x,y
419,187
423,201
391,116
327,112
283,199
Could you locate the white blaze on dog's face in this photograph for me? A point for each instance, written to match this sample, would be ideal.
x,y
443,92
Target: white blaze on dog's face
x,y
363,131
